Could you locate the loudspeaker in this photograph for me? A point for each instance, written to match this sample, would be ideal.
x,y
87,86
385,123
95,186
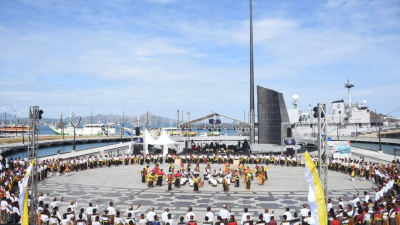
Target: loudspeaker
x,y
289,132
137,131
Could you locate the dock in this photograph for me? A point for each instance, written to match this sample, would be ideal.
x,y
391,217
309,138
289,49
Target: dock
x,y
19,146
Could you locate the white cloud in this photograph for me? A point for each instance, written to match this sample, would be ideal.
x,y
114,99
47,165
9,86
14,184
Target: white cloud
x,y
174,60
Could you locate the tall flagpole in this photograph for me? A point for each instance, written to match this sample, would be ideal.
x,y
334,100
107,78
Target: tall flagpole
x,y
252,113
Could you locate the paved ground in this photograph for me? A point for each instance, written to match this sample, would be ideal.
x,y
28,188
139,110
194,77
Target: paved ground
x,y
286,187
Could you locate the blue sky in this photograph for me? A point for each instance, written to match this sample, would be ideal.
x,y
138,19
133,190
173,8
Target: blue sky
x,y
163,55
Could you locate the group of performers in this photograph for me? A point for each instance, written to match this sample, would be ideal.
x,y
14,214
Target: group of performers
x,y
360,168
185,175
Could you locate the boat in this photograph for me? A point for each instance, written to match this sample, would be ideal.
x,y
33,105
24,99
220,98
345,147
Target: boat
x,y
131,131
343,119
210,133
98,129
351,119
14,129
174,131
87,129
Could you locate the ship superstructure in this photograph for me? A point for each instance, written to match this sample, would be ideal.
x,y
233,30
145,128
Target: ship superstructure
x,y
349,119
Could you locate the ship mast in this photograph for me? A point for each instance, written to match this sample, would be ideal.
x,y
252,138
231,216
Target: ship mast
x,y
349,85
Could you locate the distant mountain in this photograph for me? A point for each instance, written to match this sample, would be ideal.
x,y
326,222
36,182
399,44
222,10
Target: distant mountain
x,y
118,119
9,117
152,119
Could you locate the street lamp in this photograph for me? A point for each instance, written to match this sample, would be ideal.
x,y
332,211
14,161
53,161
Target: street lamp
x,y
91,123
123,124
379,137
75,126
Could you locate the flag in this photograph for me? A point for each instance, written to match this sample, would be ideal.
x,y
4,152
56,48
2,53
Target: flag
x,y
23,196
316,198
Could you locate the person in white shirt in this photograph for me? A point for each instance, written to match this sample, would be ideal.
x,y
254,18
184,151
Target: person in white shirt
x,y
55,203
69,214
355,200
41,197
133,212
367,216
366,196
73,205
142,220
170,221
111,209
118,219
224,214
150,215
65,220
189,213
89,210
54,219
288,214
210,215
329,205
377,195
296,220
267,216
244,216
44,218
164,216
309,219
304,211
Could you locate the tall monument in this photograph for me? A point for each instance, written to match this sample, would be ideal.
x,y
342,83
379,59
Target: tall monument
x,y
252,113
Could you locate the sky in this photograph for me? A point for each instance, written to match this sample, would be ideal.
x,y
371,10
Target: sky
x,y
110,57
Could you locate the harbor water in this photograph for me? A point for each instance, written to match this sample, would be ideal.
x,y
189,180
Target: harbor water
x,y
386,148
48,151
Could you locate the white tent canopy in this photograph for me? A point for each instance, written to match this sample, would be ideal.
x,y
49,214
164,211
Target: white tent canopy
x,y
165,140
147,140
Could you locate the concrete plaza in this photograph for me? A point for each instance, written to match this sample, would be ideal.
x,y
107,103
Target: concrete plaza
x,y
285,187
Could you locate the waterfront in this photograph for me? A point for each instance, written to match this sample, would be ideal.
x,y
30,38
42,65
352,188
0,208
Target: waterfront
x,y
48,151
386,148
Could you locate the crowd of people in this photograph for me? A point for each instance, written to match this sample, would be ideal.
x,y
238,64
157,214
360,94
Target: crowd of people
x,y
381,209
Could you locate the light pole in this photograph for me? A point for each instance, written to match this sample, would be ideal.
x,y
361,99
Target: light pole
x,y
188,131
123,124
23,134
379,137
75,126
91,123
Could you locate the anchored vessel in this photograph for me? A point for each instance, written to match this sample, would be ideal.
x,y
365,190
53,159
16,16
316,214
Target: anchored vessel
x,y
343,119
87,129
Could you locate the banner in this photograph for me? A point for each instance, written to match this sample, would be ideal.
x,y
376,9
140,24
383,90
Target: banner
x,y
23,196
316,197
214,121
340,149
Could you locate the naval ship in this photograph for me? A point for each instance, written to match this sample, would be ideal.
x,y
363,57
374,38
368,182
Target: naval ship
x,y
343,119
351,119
